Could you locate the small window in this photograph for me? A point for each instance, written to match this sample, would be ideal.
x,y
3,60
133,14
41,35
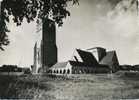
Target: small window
x,y
68,71
60,71
64,71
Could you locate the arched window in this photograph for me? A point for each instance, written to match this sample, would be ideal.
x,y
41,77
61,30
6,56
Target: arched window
x,y
57,71
60,71
68,71
64,71
54,71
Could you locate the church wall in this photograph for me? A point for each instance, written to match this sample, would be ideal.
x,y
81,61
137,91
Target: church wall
x,y
65,70
89,70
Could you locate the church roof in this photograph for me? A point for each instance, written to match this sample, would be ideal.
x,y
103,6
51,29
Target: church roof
x,y
110,58
60,65
96,48
75,63
87,57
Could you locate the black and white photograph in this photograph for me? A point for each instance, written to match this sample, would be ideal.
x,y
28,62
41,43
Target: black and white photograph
x,y
69,49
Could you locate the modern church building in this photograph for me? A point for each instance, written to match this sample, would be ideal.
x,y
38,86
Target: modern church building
x,y
94,60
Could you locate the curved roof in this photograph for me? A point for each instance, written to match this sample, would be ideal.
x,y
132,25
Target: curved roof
x,y
96,48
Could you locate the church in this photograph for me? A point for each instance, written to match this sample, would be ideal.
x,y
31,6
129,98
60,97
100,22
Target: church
x,y
93,60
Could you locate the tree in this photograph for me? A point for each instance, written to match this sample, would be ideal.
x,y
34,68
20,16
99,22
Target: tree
x,y
30,10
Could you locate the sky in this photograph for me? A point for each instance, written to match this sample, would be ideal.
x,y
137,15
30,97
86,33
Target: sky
x,y
93,23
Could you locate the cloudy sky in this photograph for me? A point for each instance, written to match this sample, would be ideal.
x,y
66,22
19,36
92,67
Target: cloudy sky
x,y
93,23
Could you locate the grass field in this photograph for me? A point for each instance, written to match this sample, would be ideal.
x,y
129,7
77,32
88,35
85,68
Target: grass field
x,y
121,85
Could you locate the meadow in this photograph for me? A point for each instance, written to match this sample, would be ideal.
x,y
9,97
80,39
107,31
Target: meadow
x,y
121,85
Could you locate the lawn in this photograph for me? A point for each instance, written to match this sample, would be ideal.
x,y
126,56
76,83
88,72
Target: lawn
x,y
121,85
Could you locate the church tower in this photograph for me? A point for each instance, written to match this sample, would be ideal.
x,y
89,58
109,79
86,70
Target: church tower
x,y
48,45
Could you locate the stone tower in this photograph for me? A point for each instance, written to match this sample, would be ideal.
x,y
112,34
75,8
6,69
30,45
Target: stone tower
x,y
48,45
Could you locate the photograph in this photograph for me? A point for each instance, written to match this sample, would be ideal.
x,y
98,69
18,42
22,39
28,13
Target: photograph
x,y
69,49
